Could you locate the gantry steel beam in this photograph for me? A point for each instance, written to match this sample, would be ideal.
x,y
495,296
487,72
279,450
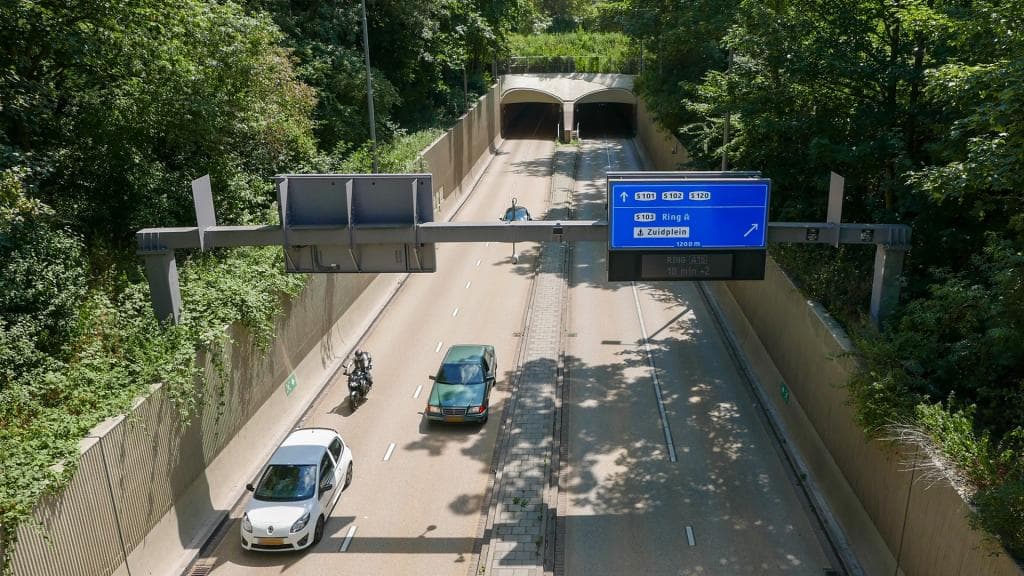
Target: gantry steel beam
x,y
157,245
896,236
353,211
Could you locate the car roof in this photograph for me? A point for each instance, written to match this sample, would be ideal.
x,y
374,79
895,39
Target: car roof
x,y
462,353
304,446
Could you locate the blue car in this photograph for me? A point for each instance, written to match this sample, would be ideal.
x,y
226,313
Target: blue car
x,y
462,385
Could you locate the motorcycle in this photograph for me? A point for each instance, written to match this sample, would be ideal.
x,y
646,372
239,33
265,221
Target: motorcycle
x,y
358,385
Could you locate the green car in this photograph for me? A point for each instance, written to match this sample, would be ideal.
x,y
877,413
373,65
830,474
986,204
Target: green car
x,y
462,385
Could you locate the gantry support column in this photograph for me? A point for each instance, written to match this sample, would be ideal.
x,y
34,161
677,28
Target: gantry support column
x,y
568,108
162,273
885,287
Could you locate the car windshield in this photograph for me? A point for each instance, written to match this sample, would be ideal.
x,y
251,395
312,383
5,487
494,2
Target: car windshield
x,y
460,374
457,394
287,483
517,213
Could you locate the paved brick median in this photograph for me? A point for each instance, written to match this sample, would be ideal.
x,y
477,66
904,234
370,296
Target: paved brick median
x,y
520,524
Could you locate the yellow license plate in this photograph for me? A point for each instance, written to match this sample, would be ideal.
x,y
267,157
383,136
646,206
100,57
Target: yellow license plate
x,y
270,541
455,419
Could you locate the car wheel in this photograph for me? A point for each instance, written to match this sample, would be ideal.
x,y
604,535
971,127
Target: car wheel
x,y
348,476
318,532
484,419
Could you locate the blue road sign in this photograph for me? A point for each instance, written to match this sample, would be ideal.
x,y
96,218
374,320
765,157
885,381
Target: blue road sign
x,y
688,214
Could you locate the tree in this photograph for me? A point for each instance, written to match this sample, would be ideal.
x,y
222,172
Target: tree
x,y
126,106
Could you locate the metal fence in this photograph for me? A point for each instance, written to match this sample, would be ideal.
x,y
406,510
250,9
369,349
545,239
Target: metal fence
x,y
596,64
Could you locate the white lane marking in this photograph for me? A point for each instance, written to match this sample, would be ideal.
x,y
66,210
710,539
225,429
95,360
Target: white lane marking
x,y
478,262
455,312
488,244
391,448
348,539
689,535
469,283
438,347
654,376
419,389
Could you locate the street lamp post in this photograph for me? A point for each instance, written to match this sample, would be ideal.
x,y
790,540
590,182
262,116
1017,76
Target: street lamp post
x,y
369,91
725,126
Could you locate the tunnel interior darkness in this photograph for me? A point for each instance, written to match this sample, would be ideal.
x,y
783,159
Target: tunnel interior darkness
x,y
530,120
605,119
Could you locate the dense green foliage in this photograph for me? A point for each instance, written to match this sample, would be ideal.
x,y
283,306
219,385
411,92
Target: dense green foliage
x,y
419,53
589,51
109,110
920,105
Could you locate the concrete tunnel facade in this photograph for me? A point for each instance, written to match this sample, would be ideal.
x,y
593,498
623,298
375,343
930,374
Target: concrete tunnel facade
x,y
599,99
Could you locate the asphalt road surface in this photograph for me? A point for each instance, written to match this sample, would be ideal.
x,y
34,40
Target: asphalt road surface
x,y
727,504
418,511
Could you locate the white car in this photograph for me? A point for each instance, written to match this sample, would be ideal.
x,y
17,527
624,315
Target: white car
x,y
297,491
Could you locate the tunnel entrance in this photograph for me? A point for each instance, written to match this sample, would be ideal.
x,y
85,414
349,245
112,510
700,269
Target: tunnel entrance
x,y
605,120
530,120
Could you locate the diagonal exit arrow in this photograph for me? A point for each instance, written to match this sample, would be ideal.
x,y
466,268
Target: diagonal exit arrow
x,y
752,228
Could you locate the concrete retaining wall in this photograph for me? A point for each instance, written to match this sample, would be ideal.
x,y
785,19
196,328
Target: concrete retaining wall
x,y
890,516
662,149
458,158
150,488
136,467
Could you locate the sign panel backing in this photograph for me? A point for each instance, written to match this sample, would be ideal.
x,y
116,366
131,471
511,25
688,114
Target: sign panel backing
x,y
341,204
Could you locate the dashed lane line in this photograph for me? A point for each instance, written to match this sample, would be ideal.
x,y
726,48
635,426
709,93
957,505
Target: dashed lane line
x,y
348,539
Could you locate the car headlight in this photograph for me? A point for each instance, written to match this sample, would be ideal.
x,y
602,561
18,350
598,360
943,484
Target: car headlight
x,y
300,523
431,409
246,524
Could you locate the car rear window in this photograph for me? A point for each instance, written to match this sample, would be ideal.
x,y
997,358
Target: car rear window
x,y
518,213
460,374
287,483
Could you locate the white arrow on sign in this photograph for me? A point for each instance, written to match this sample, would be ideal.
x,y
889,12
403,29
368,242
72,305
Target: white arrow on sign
x,y
752,228
624,196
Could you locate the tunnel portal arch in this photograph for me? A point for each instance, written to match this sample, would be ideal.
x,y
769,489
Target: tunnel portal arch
x,y
559,103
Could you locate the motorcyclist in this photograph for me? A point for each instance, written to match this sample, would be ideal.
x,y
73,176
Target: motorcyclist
x,y
363,362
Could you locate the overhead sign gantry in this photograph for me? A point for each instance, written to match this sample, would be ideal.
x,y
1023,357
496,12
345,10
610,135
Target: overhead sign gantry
x,y
350,223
